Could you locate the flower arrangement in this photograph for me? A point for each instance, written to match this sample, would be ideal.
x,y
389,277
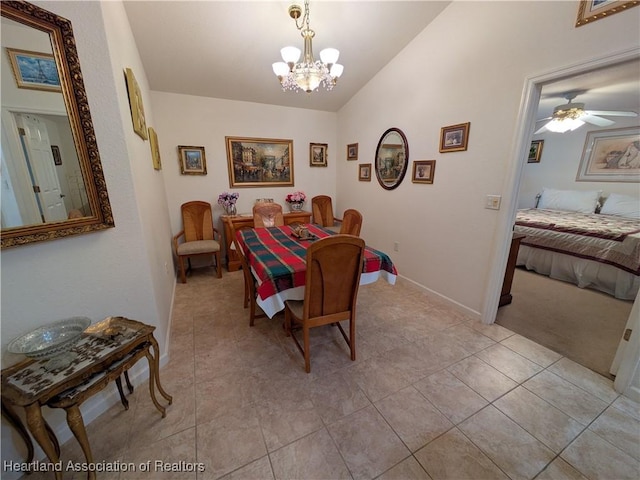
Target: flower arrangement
x,y
228,201
295,197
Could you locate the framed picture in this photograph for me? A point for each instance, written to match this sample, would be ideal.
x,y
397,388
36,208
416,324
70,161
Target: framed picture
x,y
611,156
135,103
192,160
591,10
155,150
259,162
55,151
34,70
352,151
423,171
318,154
454,138
364,172
535,152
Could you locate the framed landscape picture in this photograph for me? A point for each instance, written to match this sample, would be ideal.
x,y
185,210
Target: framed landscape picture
x,y
260,162
535,152
454,138
136,105
318,154
34,70
192,160
592,10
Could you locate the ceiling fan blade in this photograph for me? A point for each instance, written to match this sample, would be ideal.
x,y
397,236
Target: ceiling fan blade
x,y
599,121
543,119
611,113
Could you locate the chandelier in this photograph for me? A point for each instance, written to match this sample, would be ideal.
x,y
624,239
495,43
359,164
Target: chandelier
x,y
309,73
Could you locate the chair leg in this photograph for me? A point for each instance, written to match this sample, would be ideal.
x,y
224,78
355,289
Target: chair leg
x,y
218,265
183,277
307,359
352,338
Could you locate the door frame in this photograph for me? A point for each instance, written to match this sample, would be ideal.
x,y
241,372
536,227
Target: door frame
x,y
525,126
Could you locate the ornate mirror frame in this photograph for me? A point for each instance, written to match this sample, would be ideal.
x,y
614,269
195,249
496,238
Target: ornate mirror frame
x,y
75,98
391,159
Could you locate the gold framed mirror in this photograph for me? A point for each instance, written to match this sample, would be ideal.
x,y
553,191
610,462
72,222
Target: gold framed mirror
x,y
52,183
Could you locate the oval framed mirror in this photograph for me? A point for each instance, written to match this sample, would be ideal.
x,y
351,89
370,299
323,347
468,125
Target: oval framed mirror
x,y
53,185
392,158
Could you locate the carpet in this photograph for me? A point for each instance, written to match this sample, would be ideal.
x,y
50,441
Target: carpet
x,y
581,324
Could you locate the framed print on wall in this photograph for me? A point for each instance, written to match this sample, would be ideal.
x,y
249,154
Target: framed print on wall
x,y
535,151
591,10
155,150
34,70
57,158
318,154
259,162
352,151
611,156
454,138
192,160
423,171
364,172
136,105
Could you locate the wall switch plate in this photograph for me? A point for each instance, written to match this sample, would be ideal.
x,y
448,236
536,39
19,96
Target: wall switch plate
x,y
396,246
493,202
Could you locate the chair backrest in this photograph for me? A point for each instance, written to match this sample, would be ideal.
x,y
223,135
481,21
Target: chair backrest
x,y
351,222
322,210
334,265
197,221
267,215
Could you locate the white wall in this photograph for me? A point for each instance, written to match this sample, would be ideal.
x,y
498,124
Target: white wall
x,y
204,122
560,161
469,65
119,271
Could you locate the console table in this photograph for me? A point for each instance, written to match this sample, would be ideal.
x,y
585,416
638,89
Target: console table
x,y
106,350
246,220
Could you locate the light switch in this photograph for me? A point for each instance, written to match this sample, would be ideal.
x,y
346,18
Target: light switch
x,y
493,202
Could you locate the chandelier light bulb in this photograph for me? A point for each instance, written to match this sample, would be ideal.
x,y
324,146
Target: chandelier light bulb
x,y
329,55
336,70
290,54
280,69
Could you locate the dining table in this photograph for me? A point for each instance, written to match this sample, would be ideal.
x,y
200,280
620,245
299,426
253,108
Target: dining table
x,y
277,258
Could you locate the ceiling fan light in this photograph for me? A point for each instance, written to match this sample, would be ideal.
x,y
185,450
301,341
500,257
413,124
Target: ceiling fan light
x,y
329,55
562,126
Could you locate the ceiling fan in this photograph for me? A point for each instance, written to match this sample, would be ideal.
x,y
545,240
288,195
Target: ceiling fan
x,y
570,116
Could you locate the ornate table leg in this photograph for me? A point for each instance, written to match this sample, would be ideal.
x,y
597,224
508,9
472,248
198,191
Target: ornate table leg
x,y
152,376
156,350
10,415
126,378
123,398
76,424
38,428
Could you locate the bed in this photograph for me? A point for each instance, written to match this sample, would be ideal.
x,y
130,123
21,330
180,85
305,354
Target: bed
x,y
592,250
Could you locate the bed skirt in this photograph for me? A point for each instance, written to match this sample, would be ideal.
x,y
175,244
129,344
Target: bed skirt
x,y
581,272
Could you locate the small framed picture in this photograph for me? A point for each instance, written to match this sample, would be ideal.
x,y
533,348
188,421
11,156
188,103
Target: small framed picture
x,y
535,152
136,105
423,171
55,151
592,10
318,154
155,149
454,138
34,70
364,172
352,151
192,160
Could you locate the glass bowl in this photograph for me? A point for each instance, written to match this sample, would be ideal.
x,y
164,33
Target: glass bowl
x,y
51,342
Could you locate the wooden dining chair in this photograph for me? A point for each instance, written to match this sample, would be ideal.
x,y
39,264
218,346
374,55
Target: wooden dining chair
x,y
351,222
267,215
250,294
322,210
334,266
199,236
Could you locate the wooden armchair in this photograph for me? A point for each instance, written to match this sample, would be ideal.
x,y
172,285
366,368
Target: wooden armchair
x,y
351,222
199,236
334,266
267,215
322,210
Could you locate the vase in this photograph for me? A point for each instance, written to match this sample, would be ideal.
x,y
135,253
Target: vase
x,y
296,206
231,209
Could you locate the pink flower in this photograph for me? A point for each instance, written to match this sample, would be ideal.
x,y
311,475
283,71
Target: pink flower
x,y
295,197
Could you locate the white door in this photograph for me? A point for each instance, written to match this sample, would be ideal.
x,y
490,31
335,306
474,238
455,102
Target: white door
x,y
42,169
626,364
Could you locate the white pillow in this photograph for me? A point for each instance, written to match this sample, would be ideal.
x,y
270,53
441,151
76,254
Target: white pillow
x,y
622,205
570,200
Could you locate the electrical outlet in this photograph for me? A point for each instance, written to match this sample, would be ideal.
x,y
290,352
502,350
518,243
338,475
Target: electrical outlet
x,y
493,202
396,246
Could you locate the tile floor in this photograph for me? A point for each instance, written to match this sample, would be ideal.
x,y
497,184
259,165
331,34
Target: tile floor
x,y
433,394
